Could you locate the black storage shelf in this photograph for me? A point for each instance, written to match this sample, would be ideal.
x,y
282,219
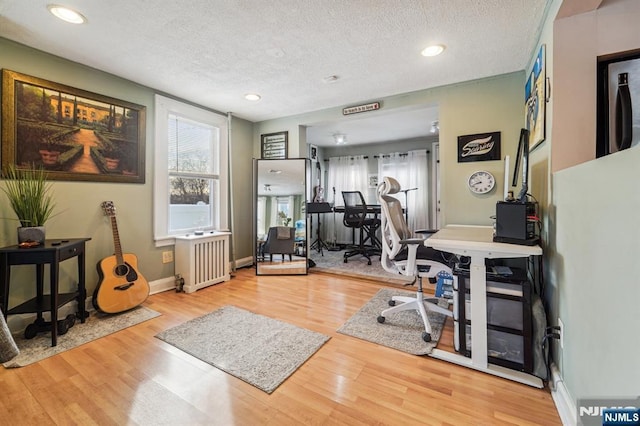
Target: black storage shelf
x,y
508,335
32,305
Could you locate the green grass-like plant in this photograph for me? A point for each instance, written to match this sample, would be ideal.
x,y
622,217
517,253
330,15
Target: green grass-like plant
x,y
29,194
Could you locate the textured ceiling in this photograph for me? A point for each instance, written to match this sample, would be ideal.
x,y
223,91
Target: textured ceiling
x,y
214,52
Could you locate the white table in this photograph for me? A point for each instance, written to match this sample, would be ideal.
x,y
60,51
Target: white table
x,y
477,243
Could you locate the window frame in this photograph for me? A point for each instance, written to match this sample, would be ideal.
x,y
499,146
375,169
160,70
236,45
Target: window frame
x,y
161,203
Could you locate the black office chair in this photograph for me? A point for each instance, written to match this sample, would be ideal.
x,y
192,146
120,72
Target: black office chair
x,y
404,254
355,217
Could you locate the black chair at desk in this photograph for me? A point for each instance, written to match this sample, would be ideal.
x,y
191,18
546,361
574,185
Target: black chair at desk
x,y
355,216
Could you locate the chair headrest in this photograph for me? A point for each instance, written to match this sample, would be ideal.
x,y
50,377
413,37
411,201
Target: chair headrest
x,y
389,186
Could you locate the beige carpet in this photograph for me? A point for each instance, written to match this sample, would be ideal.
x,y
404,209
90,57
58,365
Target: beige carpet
x,y
401,331
96,326
260,350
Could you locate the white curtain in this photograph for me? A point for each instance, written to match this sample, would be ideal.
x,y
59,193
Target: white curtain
x,y
411,171
273,212
262,218
345,174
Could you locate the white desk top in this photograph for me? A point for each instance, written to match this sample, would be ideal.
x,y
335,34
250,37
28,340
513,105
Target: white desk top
x,y
469,240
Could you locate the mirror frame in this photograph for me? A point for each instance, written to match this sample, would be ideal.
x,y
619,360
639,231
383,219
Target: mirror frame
x,y
259,181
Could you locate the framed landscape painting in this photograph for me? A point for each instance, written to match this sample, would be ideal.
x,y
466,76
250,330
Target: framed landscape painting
x,y
71,133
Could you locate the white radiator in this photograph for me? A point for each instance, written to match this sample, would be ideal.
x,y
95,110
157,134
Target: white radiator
x,y
202,260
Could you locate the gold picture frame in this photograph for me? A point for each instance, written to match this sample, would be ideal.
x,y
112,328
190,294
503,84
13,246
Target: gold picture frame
x,y
73,134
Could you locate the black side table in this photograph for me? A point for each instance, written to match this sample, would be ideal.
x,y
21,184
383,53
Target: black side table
x,y
52,253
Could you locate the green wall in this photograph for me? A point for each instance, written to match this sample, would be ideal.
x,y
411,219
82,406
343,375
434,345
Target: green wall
x,y
593,263
78,203
486,105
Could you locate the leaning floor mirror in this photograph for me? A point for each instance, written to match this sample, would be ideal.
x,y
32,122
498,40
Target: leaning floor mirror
x,y
280,210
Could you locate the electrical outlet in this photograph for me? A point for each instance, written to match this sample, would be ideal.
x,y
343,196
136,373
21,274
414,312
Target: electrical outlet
x,y
561,331
167,256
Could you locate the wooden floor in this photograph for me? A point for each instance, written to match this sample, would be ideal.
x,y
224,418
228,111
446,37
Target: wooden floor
x,y
130,377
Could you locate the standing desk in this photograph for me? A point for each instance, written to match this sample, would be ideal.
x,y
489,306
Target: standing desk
x,y
477,243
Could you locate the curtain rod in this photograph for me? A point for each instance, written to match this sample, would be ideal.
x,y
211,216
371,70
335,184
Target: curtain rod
x,y
350,158
402,154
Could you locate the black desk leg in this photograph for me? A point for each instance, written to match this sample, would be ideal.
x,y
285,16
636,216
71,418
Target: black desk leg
x,y
6,275
82,291
53,269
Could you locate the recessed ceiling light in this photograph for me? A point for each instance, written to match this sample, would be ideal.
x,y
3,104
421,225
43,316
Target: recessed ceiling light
x,y
434,50
340,138
66,14
252,97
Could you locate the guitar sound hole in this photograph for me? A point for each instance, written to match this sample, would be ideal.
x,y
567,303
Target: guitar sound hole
x,y
121,270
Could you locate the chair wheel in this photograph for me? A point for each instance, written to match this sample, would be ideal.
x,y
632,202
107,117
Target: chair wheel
x,y
381,319
71,320
31,331
426,336
392,302
345,260
63,327
369,262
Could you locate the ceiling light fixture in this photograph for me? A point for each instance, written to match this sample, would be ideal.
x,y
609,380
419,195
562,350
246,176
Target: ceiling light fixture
x,y
433,50
340,138
252,97
435,127
66,14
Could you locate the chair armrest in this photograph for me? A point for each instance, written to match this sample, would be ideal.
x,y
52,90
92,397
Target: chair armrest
x,y
413,241
426,231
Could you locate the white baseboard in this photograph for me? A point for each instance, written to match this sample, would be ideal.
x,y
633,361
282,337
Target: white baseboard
x,y
564,403
163,284
245,261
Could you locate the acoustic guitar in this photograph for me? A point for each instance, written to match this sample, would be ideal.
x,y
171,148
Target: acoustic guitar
x,y
121,286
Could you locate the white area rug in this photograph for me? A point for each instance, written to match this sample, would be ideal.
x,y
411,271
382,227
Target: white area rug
x,y
96,326
401,331
260,350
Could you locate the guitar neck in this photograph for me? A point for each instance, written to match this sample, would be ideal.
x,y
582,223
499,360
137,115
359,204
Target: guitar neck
x,y
116,241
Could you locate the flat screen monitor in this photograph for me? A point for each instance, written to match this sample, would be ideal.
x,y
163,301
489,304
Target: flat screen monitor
x,y
522,165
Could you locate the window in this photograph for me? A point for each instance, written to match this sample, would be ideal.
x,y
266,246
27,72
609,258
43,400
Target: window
x,y
190,192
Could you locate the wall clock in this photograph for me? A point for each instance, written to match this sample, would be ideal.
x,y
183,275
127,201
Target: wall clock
x,y
481,182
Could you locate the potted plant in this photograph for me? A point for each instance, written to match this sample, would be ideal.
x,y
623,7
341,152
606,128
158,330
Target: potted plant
x,y
30,197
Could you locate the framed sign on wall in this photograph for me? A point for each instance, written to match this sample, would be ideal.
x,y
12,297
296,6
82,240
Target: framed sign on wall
x,y
274,145
479,147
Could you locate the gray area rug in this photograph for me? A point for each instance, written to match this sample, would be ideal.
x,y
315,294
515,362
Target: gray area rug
x,y
401,331
96,326
356,266
260,350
